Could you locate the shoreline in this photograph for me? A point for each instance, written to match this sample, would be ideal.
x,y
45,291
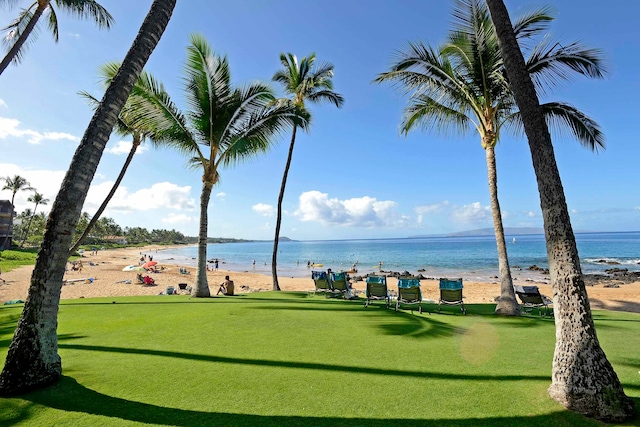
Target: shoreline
x,y
108,279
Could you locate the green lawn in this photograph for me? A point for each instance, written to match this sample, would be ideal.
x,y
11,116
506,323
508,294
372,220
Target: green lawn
x,y
290,359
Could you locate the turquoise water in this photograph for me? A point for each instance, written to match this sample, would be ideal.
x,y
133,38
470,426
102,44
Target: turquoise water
x,y
472,258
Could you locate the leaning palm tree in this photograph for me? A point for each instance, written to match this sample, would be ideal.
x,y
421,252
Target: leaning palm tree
x,y
126,125
223,126
303,82
583,380
14,184
33,361
462,85
22,27
38,199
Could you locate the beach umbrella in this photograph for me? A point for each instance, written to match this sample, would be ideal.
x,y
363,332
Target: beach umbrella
x,y
133,268
149,264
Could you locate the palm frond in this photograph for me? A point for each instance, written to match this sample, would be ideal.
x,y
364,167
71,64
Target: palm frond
x,y
88,9
52,23
429,114
15,29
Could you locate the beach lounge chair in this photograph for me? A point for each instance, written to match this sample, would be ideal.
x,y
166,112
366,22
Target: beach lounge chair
x,y
409,293
531,298
322,284
451,294
377,290
340,284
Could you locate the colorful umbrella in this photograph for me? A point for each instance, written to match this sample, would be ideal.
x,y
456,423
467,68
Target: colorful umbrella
x,y
149,264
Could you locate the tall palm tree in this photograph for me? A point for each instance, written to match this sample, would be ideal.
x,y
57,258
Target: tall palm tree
x,y
22,27
304,82
14,184
33,361
583,380
462,85
223,126
38,199
126,125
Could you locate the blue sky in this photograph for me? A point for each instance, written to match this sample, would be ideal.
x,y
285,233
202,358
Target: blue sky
x,y
353,175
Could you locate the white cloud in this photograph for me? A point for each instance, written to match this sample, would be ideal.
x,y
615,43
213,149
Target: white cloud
x,y
178,219
3,104
264,209
421,211
124,147
472,213
11,128
532,214
45,182
159,195
360,212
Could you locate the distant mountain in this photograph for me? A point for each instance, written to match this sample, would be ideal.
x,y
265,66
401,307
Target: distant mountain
x,y
284,239
511,231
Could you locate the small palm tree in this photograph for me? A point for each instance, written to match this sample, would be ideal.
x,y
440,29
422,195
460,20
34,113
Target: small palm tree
x,y
14,184
462,85
304,82
223,126
126,125
38,199
21,28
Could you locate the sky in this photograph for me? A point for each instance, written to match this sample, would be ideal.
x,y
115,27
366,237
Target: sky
x,y
353,175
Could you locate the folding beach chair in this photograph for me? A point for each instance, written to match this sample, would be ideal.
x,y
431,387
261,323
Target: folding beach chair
x,y
340,284
409,293
451,294
531,298
322,284
377,290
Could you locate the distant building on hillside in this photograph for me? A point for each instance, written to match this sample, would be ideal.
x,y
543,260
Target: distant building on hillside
x,y
6,224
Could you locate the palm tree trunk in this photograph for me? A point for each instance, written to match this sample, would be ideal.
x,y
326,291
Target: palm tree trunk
x,y
33,361
10,227
201,287
274,263
583,380
103,206
507,304
26,233
23,37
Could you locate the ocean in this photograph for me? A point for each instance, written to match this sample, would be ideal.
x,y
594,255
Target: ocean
x,y
472,258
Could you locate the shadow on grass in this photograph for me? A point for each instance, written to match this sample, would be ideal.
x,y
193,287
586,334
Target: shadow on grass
x,y
70,396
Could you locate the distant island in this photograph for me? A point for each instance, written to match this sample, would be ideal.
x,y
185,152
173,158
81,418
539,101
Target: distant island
x,y
511,231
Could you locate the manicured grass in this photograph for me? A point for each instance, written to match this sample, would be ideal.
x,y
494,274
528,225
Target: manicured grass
x,y
290,359
10,259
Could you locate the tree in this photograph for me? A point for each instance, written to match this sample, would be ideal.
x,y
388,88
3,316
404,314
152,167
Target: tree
x,y
125,126
583,380
22,27
33,361
14,184
303,82
224,126
462,85
38,199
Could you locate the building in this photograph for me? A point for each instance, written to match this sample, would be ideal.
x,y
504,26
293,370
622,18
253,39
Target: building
x,y
6,224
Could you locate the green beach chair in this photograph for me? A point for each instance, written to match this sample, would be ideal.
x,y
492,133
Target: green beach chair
x,y
340,284
531,298
451,294
377,290
409,293
321,282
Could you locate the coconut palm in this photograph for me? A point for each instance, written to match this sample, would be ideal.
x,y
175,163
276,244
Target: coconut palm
x,y
304,82
223,126
125,126
38,199
14,184
462,85
22,27
32,360
583,380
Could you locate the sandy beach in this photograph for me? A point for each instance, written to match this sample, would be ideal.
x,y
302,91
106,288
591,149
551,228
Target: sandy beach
x,y
108,279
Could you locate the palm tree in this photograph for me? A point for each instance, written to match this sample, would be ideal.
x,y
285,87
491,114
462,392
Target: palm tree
x,y
21,28
14,184
303,82
583,380
33,361
126,125
462,85
38,199
224,126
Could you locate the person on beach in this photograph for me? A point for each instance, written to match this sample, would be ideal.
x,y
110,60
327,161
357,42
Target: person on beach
x,y
226,287
216,266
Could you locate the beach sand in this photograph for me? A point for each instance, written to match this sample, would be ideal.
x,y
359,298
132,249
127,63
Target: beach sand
x,y
109,280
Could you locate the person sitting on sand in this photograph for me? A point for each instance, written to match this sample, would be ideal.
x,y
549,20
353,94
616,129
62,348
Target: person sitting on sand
x,y
226,287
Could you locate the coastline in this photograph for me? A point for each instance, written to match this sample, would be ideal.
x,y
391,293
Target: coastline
x,y
105,268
